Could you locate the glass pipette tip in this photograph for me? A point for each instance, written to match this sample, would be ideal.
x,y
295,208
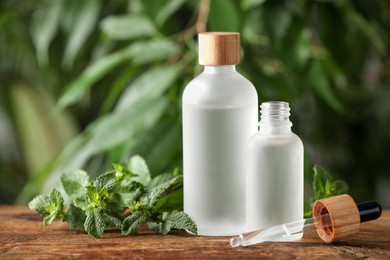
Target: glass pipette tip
x,y
367,211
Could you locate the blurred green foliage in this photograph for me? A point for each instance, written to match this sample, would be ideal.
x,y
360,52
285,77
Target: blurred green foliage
x,y
86,83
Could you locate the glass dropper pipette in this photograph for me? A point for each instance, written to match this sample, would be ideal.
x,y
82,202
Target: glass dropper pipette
x,y
367,211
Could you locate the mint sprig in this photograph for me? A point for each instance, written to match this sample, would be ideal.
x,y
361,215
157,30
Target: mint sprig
x,y
324,187
125,197
51,206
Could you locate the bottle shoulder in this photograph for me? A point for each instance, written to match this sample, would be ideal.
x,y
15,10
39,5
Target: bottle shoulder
x,y
231,89
275,140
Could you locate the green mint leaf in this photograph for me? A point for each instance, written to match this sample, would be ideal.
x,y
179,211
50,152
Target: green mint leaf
x,y
49,219
181,220
328,186
39,204
319,181
159,186
52,205
133,222
152,198
339,187
94,223
111,221
165,181
171,201
93,197
74,183
107,180
75,217
137,165
121,171
161,227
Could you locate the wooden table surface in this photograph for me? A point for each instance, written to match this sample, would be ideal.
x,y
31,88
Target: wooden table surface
x,y
22,236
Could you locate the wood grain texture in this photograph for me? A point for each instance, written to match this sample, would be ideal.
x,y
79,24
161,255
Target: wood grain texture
x,y
219,48
344,214
22,236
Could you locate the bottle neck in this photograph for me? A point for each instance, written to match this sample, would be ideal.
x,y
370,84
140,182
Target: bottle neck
x,y
220,70
275,118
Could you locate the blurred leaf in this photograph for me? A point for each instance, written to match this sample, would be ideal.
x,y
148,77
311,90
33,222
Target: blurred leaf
x,y
117,87
144,143
249,4
42,135
126,27
84,21
367,29
277,20
110,131
76,89
153,50
151,84
224,16
165,150
167,10
318,80
44,27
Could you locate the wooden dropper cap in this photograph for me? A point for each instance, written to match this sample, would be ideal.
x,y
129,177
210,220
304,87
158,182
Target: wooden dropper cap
x,y
219,48
344,214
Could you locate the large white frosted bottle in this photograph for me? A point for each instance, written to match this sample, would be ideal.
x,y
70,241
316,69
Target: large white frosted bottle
x,y
275,171
219,117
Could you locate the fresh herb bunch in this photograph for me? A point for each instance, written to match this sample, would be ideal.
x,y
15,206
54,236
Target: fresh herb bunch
x,y
126,197
324,187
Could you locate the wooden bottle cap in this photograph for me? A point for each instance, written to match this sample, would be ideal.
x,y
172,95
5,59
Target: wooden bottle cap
x,y
219,48
343,213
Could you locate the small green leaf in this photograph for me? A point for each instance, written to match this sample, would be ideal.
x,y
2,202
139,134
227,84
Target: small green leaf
x,y
328,186
339,187
319,179
111,221
138,166
94,223
151,198
49,219
133,222
162,180
39,204
93,197
56,199
107,181
161,227
52,205
75,217
126,27
181,220
74,183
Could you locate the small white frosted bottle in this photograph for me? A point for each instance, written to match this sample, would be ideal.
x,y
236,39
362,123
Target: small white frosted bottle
x,y
219,117
275,171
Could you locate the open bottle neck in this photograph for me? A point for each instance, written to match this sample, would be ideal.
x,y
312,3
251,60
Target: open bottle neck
x,y
220,70
275,118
